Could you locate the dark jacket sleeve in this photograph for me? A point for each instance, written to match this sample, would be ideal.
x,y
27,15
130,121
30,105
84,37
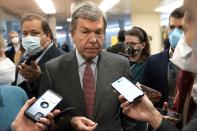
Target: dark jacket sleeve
x,y
168,126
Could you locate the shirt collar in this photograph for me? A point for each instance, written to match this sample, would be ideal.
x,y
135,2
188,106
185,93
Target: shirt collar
x,y
45,50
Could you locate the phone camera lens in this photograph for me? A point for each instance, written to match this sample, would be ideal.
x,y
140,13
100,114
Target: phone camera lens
x,y
44,104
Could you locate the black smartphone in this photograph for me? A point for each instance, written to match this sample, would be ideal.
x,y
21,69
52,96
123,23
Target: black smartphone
x,y
43,105
63,113
172,114
33,57
130,91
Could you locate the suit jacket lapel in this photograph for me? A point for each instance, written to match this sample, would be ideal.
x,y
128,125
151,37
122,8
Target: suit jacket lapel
x,y
71,66
48,55
101,81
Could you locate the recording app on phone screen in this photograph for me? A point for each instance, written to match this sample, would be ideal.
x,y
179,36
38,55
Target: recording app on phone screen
x,y
43,105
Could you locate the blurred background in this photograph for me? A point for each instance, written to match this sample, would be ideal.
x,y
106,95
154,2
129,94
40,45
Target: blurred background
x,y
151,15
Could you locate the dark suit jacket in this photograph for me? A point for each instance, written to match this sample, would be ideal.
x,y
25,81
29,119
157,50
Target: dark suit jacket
x,y
119,47
167,126
62,76
156,74
32,89
10,51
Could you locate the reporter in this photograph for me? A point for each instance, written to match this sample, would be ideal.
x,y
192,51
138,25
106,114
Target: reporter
x,y
145,111
22,123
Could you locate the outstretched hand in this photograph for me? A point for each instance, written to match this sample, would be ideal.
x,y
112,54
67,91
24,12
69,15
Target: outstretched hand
x,y
142,110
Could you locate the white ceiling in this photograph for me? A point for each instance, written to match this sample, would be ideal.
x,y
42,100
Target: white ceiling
x,y
63,7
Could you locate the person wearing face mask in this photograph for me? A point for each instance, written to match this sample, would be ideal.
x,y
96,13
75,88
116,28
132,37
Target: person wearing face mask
x,y
13,46
138,49
184,103
37,40
185,58
160,73
7,67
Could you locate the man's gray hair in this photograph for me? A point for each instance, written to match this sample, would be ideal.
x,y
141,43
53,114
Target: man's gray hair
x,y
89,11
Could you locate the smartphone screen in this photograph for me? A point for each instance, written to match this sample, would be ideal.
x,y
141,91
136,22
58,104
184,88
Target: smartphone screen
x,y
43,105
130,91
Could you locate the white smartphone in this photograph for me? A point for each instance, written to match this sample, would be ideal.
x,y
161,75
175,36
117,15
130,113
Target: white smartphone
x,y
130,91
43,105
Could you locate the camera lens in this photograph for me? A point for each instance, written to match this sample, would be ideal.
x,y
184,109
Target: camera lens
x,y
44,104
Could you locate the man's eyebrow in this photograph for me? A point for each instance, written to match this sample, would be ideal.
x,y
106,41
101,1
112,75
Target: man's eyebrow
x,y
85,28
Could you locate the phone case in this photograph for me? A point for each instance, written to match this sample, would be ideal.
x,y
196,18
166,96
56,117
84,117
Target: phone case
x,y
43,105
152,94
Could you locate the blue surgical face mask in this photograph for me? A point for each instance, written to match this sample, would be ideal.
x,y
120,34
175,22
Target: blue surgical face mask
x,y
174,37
31,44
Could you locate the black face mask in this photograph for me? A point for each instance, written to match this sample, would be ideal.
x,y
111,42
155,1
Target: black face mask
x,y
132,52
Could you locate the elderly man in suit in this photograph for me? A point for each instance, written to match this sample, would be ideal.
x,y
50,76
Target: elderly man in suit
x,y
37,39
83,77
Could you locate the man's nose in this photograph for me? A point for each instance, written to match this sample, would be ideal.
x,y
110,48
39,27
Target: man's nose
x,y
93,37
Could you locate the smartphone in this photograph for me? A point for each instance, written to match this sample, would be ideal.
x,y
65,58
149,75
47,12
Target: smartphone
x,y
172,114
130,91
43,105
63,113
33,57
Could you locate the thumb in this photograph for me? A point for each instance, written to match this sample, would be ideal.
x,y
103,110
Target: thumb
x,y
89,122
28,103
34,65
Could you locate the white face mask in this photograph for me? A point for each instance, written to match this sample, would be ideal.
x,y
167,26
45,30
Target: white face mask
x,y
31,44
7,72
185,57
182,55
15,40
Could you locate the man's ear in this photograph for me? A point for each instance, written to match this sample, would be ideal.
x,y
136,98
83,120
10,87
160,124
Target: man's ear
x,y
47,34
71,33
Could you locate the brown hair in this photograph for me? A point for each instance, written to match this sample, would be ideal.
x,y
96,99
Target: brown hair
x,y
143,37
45,25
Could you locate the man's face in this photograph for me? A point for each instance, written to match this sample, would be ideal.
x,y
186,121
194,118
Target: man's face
x,y
190,7
13,35
189,31
175,23
88,37
34,28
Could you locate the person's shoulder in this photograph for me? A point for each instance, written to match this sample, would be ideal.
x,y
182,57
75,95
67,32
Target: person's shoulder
x,y
57,60
158,55
114,57
57,50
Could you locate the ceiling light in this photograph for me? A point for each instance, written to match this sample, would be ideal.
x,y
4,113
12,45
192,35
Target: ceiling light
x,y
107,4
168,8
69,19
46,6
59,27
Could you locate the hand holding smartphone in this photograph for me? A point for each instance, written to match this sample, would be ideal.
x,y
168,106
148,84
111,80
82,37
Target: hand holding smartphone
x,y
43,105
33,57
130,91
